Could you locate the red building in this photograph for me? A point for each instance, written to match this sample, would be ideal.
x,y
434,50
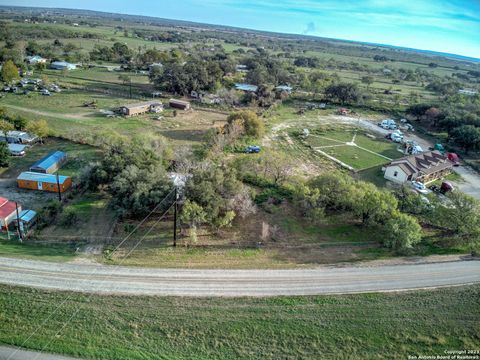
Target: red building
x,y
8,212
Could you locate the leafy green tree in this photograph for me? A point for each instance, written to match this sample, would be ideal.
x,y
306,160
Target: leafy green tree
x,y
401,231
39,128
372,205
4,154
252,124
213,188
466,136
343,92
9,72
5,127
367,80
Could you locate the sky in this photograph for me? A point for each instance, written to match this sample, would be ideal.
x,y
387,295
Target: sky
x,y
451,26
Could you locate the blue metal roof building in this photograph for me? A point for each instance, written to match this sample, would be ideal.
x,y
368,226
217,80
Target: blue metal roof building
x,y
246,87
44,178
50,163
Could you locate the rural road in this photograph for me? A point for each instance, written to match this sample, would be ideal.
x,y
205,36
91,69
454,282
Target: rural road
x,y
12,353
181,282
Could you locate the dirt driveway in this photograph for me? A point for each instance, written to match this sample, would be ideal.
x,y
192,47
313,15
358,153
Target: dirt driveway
x,y
471,181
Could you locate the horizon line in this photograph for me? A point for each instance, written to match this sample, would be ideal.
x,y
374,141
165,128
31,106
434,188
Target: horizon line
x,y
433,52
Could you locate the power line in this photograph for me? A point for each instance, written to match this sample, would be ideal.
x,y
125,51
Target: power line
x,y
93,272
108,277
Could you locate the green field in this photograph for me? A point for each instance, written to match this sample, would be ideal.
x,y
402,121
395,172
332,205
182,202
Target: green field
x,y
333,142
368,326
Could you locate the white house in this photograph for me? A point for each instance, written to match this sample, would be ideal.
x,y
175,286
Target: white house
x,y
36,59
423,167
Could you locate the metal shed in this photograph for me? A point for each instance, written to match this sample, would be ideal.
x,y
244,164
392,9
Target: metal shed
x,y
50,163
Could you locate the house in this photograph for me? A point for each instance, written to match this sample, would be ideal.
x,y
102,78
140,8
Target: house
x,y
44,182
19,137
179,104
50,163
17,149
36,59
141,108
246,87
62,65
8,212
424,167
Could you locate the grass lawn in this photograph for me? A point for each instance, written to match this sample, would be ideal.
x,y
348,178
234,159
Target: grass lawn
x,y
355,157
363,326
15,249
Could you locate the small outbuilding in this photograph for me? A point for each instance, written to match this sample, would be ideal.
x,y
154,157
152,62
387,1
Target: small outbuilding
x,y
50,163
35,59
44,182
179,104
141,108
28,219
8,212
62,65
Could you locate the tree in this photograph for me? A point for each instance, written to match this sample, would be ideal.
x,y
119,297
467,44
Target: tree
x,y
276,166
343,92
127,81
39,128
367,80
467,136
4,154
9,72
5,127
401,231
193,215
373,206
252,124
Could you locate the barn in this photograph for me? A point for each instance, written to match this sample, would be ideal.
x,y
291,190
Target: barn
x,y
179,104
44,182
50,163
141,108
8,212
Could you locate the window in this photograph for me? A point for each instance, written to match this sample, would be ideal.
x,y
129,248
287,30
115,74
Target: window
x,y
395,173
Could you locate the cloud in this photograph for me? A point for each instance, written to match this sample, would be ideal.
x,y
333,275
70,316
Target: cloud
x,y
310,29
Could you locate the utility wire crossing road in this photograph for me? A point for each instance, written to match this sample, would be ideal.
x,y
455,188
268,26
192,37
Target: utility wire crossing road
x,y
179,282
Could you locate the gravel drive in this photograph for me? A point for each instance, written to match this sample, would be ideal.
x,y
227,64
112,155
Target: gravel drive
x,y
179,282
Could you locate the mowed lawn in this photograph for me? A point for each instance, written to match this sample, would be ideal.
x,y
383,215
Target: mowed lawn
x,y
370,150
361,326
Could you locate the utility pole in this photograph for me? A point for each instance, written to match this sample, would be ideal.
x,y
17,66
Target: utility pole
x,y
175,219
58,189
20,236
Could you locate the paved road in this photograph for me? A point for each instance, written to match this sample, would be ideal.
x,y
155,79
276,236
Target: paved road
x,y
471,181
11,353
179,282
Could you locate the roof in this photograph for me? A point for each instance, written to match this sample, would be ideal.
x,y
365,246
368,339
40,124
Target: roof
x,y
49,160
142,104
284,87
426,163
44,178
176,101
62,63
246,87
6,208
16,147
28,215
20,135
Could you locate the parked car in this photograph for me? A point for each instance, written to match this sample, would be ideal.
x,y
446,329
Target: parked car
x,y
420,187
252,149
45,92
443,188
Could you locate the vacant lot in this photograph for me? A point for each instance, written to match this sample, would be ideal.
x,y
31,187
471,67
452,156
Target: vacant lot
x,y
369,326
